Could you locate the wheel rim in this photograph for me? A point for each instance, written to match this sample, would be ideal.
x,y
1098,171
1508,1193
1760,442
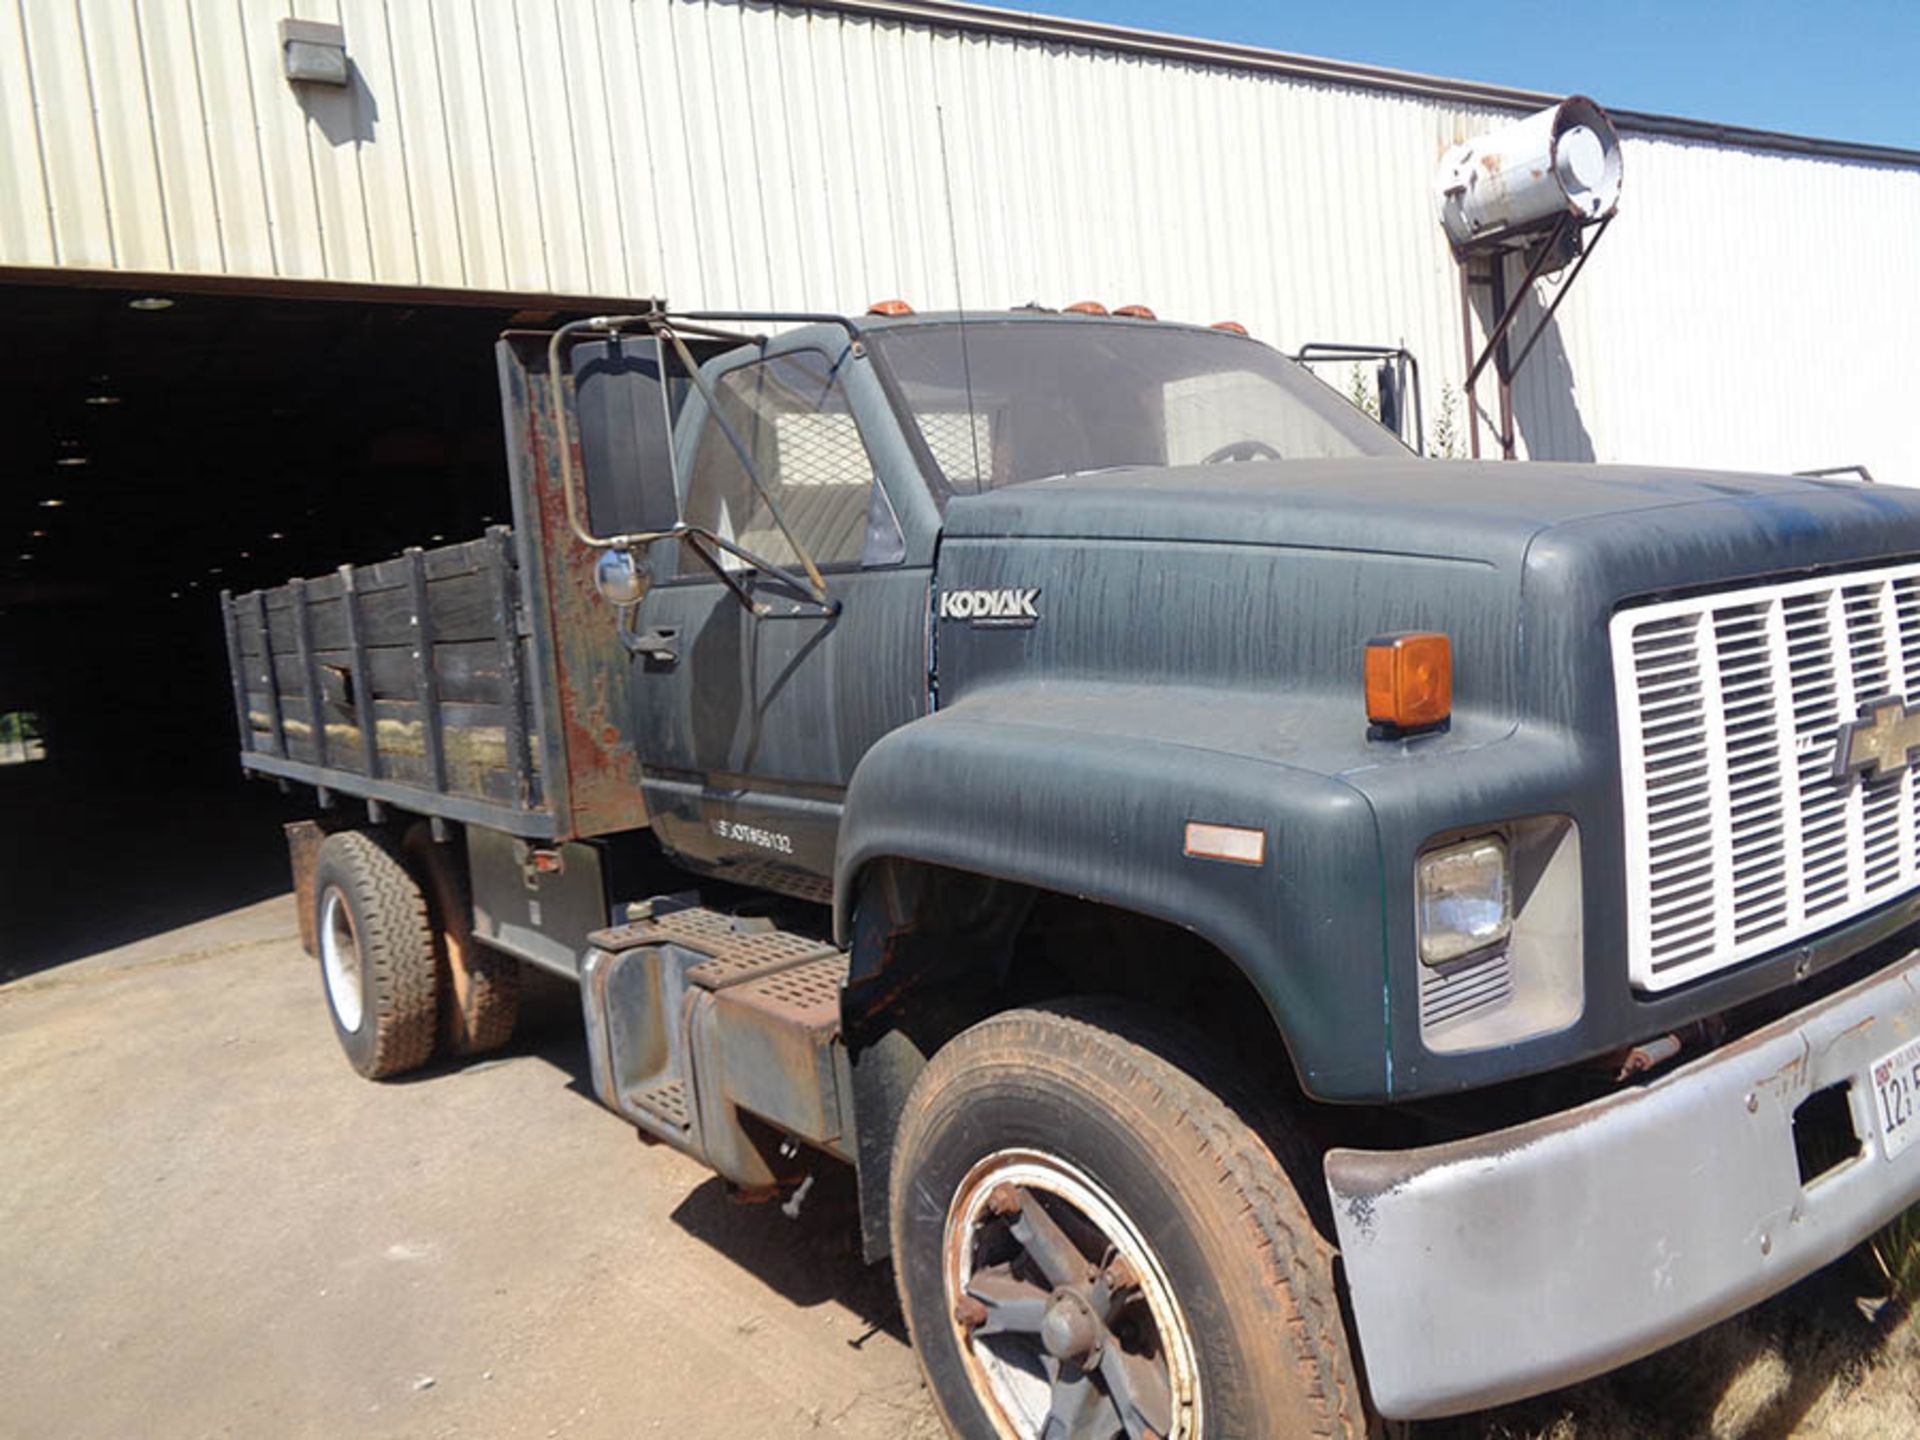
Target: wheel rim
x,y
1061,1310
340,960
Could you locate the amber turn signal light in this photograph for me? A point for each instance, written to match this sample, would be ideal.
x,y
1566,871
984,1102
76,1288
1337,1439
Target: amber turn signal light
x,y
1410,680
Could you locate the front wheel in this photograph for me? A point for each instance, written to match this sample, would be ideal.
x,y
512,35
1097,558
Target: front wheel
x,y
1091,1244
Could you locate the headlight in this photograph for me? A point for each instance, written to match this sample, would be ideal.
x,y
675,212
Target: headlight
x,y
1465,897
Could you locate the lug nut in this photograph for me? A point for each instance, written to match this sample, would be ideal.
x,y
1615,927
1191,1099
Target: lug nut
x,y
969,1313
1003,1199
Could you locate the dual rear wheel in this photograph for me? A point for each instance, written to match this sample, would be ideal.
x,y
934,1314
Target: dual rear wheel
x,y
402,973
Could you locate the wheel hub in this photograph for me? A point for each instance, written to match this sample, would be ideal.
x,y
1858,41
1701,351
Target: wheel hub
x,y
1070,1330
340,960
1066,1322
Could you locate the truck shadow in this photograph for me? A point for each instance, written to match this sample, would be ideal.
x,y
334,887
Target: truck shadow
x,y
810,1258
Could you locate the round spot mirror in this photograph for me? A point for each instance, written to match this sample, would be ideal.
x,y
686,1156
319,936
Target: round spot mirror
x,y
621,578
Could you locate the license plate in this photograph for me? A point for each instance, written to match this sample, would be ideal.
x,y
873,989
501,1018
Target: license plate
x,y
1896,1097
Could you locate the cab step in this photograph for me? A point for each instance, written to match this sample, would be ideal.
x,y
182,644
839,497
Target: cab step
x,y
720,1035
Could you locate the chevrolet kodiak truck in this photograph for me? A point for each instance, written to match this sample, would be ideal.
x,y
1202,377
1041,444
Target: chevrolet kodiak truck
x,y
1288,933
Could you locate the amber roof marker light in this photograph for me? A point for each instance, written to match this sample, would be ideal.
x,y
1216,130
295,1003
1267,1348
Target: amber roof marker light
x,y
890,307
1409,682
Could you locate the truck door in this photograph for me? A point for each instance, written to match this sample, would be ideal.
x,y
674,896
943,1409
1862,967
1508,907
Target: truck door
x,y
750,724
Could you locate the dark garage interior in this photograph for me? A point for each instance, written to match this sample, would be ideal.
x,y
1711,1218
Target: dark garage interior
x,y
165,446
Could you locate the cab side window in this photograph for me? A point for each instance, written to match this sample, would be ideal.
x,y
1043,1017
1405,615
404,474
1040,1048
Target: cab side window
x,y
792,416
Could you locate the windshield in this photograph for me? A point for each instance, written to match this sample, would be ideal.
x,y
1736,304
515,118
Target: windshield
x,y
1064,397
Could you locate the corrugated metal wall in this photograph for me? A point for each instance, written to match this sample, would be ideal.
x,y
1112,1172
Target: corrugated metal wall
x,y
1748,308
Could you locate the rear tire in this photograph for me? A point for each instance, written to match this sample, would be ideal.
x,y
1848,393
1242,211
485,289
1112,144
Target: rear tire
x,y
479,987
1087,1121
376,955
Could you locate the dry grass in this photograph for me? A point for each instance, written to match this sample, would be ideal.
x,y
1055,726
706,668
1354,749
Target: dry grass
x,y
1836,1356
1895,1253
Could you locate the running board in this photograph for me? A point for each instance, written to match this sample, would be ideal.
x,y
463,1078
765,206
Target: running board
x,y
720,1036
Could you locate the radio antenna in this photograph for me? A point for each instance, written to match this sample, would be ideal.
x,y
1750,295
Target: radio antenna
x,y
959,300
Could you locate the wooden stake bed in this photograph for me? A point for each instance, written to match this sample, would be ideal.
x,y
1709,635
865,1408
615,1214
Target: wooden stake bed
x,y
483,682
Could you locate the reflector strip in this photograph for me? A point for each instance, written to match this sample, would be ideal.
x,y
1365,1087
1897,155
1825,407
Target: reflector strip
x,y
1226,842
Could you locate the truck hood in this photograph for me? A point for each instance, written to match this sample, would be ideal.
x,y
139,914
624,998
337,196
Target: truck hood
x,y
1210,625
1269,578
1482,510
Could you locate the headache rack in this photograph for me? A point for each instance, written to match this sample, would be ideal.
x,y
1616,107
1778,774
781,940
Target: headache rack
x,y
483,682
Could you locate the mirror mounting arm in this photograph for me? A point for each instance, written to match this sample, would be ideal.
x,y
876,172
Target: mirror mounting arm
x,y
725,576
698,540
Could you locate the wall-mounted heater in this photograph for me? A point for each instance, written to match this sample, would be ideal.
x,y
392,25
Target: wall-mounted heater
x,y
1526,193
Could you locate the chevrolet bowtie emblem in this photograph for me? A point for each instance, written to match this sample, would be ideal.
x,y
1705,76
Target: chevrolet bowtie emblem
x,y
1881,742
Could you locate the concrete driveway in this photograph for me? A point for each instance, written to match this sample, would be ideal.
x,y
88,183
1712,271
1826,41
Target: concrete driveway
x,y
210,1226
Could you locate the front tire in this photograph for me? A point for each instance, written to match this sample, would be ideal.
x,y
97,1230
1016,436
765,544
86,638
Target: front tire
x,y
1091,1243
376,955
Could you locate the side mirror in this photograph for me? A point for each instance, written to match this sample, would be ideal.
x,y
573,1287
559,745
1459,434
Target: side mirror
x,y
622,578
623,398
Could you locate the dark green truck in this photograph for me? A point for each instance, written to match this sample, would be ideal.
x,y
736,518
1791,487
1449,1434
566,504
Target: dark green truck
x,y
1287,932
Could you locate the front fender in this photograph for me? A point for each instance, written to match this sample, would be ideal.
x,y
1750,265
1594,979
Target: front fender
x,y
1050,785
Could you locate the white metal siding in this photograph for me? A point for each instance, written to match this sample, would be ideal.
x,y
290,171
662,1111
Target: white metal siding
x,y
1747,309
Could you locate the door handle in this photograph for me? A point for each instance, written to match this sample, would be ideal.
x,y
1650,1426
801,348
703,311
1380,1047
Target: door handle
x,y
656,644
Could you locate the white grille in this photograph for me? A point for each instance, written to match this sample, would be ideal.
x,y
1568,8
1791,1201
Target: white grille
x,y
1740,838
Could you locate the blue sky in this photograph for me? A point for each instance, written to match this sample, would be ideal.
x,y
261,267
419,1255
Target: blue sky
x,y
1839,69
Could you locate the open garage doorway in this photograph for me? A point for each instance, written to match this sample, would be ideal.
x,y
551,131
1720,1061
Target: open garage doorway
x,y
164,445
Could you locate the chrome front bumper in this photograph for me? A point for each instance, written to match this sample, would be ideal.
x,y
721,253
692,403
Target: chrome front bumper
x,y
1498,1267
